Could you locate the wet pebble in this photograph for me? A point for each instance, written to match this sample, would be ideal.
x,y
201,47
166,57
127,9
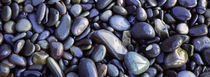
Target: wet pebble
x,y
142,30
76,51
201,43
114,47
63,30
76,9
102,70
18,60
152,50
4,70
9,27
172,43
186,74
141,14
136,63
121,24
18,46
87,68
101,4
23,25
176,59
54,67
119,10
40,57
199,30
99,53
56,50
188,3
106,15
6,13
112,70
28,49
182,28
79,26
5,51
181,13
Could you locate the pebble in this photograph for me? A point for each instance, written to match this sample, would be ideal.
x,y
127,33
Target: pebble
x,y
119,10
53,17
56,50
186,74
75,10
176,59
54,67
170,3
188,3
205,74
199,30
79,26
61,7
19,1
112,70
94,12
161,28
114,47
152,50
44,35
169,19
37,2
28,49
9,27
23,25
28,8
6,13
68,43
9,64
136,63
141,14
72,74
101,4
36,27
201,43
19,36
4,70
19,45
205,54
15,10
29,73
172,43
63,30
40,57
102,70
99,53
182,28
76,51
87,68
18,60
40,13
121,24
197,58
152,71
207,13
181,13
5,51
142,30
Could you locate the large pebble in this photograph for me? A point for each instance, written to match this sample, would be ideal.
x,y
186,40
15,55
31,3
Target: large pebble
x,y
112,70
141,14
188,3
176,59
53,17
106,15
36,27
101,4
5,50
172,43
182,28
142,30
201,43
114,46
23,25
56,50
136,63
40,13
4,70
6,13
199,30
63,29
79,26
87,68
40,57
99,53
152,50
9,27
206,53
54,67
28,48
181,13
185,74
18,60
161,28
76,9
121,23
